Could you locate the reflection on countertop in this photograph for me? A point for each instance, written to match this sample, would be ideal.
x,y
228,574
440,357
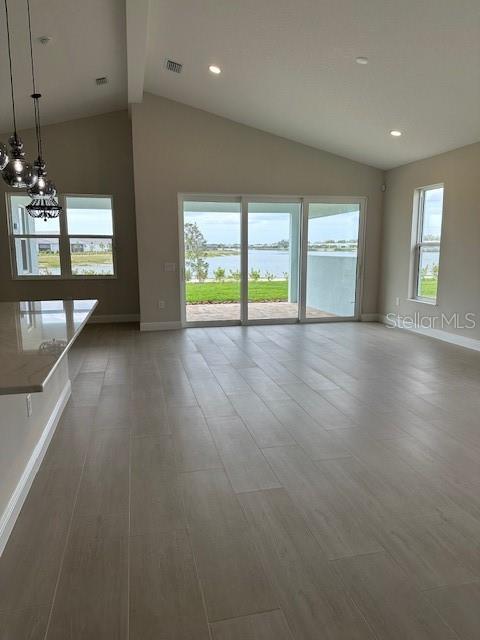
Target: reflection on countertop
x,y
34,336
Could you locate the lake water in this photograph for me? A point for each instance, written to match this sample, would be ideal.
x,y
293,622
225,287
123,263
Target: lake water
x,y
276,262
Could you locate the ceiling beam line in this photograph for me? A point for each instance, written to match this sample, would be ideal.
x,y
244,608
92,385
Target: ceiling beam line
x,y
137,12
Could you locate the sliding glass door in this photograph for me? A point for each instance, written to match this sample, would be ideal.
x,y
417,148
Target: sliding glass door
x,y
273,260
265,260
212,261
331,259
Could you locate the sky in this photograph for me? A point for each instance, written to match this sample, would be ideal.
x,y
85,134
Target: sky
x,y
95,221
265,228
81,221
432,218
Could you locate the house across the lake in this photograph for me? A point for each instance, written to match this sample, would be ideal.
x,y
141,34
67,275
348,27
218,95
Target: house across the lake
x,y
48,246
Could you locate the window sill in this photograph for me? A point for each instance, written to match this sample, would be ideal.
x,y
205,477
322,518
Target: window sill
x,y
61,278
433,303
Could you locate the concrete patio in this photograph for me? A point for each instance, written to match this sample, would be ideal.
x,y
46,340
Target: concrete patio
x,y
256,311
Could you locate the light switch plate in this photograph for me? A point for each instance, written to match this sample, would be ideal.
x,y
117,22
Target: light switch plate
x,y
170,266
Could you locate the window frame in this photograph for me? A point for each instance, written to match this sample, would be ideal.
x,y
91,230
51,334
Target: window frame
x,y
63,240
418,243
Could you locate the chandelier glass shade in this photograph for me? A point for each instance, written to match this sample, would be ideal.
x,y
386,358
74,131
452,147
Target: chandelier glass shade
x,y
43,188
18,173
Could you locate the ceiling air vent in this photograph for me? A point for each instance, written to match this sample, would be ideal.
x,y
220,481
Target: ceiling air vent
x,y
102,80
171,65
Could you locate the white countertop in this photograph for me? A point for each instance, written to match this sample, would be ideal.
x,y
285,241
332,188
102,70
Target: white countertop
x,y
34,337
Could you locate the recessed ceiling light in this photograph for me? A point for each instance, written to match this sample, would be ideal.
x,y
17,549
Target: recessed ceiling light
x,y
214,69
361,60
395,133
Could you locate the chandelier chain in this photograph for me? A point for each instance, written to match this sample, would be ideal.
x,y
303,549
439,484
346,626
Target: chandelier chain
x,y
35,95
11,71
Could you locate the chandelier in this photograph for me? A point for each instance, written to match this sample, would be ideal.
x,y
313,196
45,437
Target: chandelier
x,y
44,208
16,171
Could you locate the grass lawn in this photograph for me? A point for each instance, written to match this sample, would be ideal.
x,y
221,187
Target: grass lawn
x,y
52,259
428,287
229,291
92,258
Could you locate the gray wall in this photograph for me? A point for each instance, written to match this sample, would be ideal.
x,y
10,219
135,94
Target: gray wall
x,y
91,155
459,269
181,149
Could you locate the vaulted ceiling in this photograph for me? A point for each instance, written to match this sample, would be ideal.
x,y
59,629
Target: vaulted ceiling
x,y
288,67
87,42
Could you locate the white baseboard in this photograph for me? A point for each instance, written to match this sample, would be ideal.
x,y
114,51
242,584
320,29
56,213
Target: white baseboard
x,y
10,515
437,334
176,324
119,317
160,326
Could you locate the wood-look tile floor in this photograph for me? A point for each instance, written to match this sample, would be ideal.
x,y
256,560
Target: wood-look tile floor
x,y
262,483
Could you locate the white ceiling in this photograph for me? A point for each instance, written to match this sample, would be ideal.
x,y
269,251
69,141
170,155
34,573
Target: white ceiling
x,y
88,41
289,68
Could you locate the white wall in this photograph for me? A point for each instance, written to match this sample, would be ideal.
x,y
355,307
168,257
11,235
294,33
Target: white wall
x,y
181,149
459,270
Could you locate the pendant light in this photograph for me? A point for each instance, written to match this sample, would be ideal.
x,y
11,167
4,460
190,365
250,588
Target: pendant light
x,y
17,172
43,192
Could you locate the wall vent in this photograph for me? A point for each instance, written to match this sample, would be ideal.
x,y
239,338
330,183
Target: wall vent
x,y
102,80
171,65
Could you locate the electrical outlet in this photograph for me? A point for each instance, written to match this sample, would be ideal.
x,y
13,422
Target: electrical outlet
x,y
170,266
29,404
161,304
397,302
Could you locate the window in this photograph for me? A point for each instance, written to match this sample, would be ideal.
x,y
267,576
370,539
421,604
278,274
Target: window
x,y
90,235
35,243
79,244
427,237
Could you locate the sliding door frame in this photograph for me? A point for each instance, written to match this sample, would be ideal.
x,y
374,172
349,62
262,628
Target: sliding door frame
x,y
244,200
182,197
251,199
